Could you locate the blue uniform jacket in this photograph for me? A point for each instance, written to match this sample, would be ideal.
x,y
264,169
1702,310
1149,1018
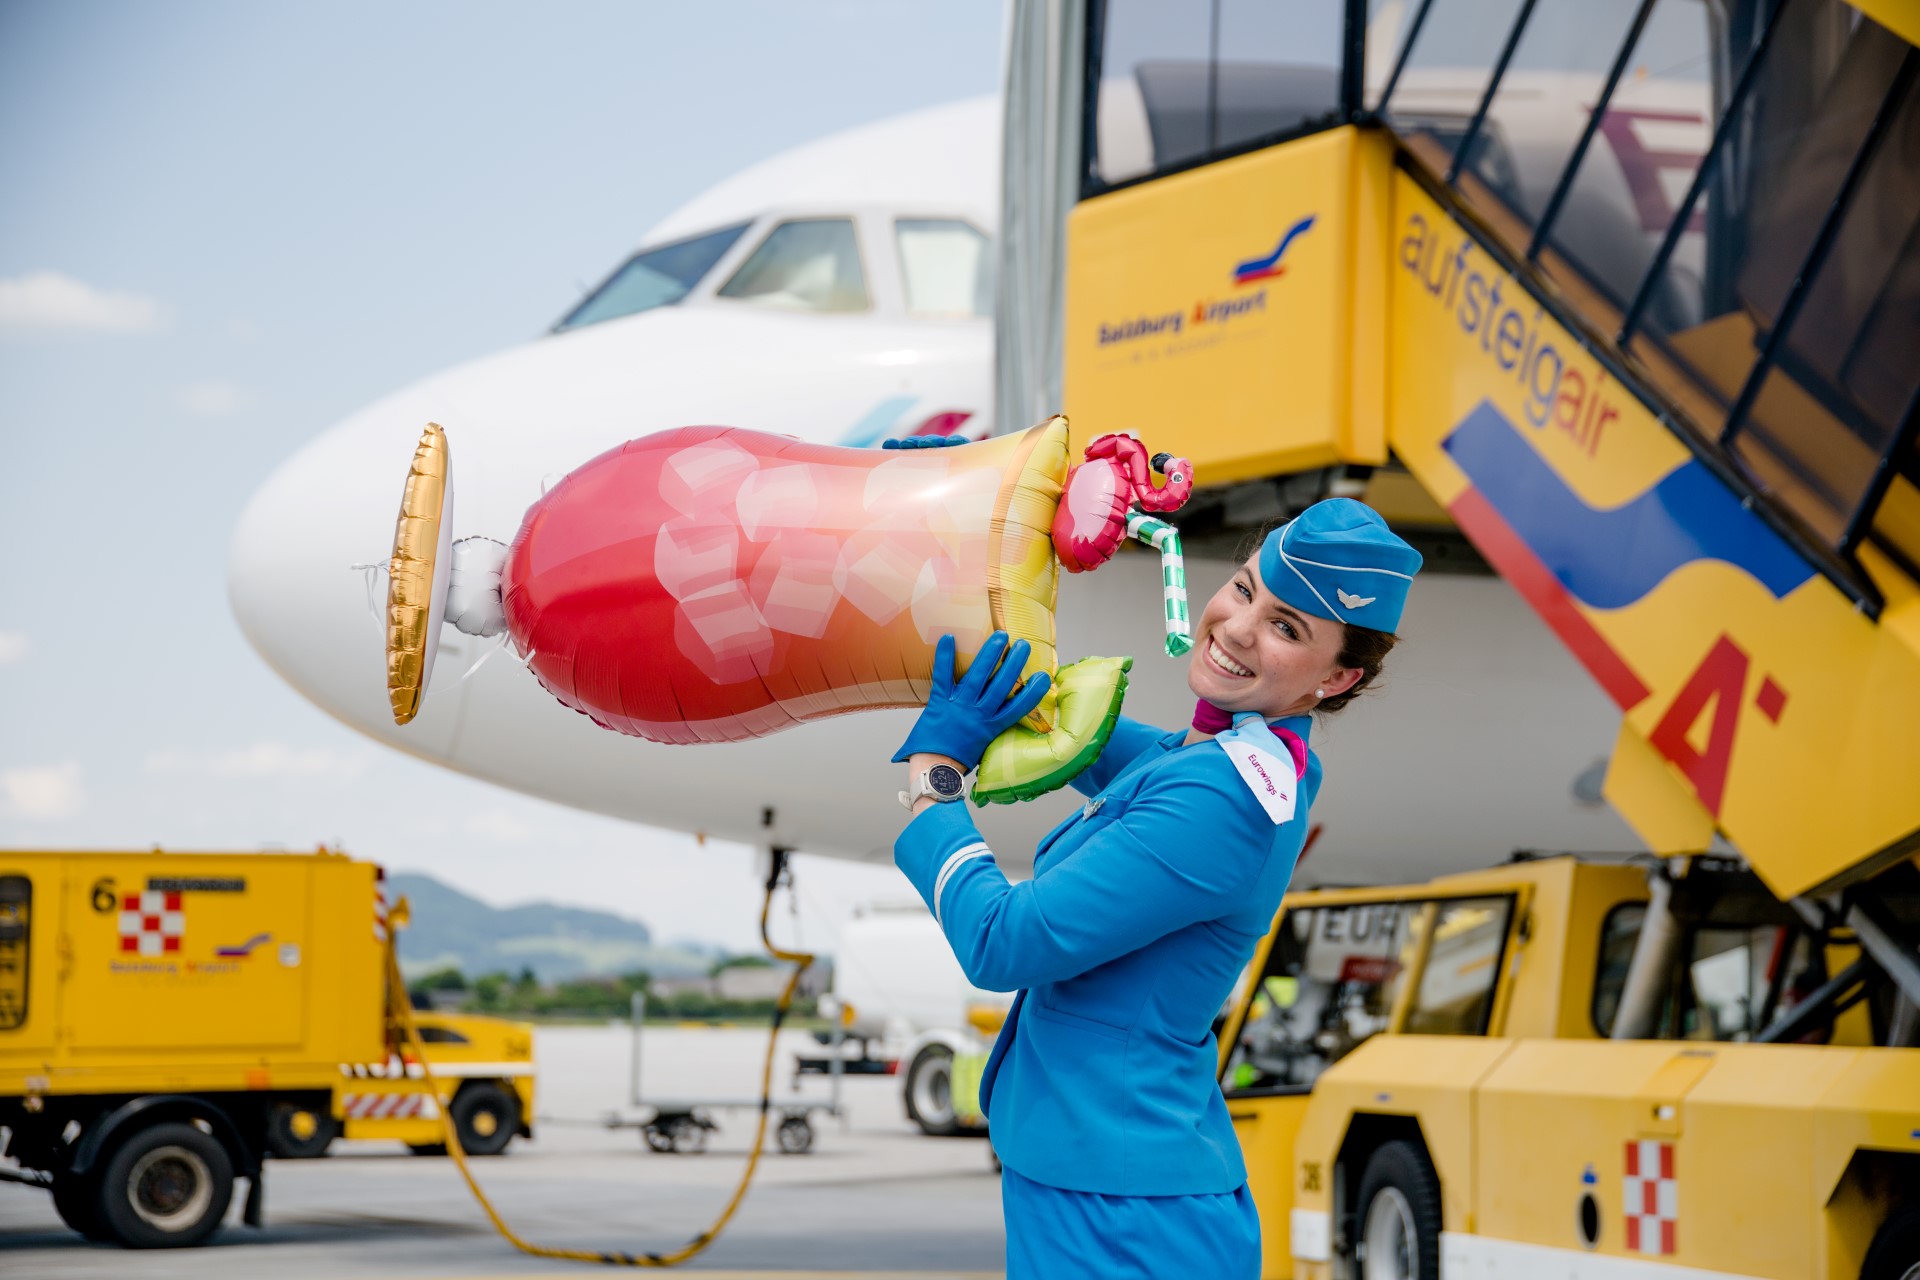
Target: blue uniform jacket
x,y
1143,909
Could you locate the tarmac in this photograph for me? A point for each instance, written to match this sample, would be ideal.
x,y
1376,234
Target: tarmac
x,y
873,1197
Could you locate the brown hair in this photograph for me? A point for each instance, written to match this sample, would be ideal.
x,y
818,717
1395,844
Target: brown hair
x,y
1366,649
1360,647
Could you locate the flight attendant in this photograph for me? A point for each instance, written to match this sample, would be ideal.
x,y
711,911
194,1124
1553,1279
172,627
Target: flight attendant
x,y
1145,906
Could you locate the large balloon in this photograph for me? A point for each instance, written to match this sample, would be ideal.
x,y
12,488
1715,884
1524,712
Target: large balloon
x,y
711,584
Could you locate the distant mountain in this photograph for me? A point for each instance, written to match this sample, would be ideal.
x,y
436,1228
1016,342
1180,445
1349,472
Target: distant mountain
x,y
557,943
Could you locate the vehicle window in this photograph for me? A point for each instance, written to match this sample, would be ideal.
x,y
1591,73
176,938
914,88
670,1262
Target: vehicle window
x,y
1618,934
1558,65
1721,979
16,935
1814,433
1330,982
945,266
652,278
442,1035
1645,151
1185,80
1844,377
1740,980
1446,75
1455,997
811,264
1736,980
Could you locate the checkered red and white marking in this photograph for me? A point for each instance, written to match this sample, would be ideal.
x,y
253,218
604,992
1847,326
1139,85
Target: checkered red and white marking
x,y
389,1106
1651,1200
151,923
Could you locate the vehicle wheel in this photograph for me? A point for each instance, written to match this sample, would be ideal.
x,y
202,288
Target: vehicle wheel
x,y
77,1201
1895,1253
300,1133
687,1136
166,1187
929,1092
1399,1222
796,1135
659,1138
486,1117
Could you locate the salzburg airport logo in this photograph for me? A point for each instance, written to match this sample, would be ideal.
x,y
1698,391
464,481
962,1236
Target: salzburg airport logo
x,y
1212,311
243,949
1273,264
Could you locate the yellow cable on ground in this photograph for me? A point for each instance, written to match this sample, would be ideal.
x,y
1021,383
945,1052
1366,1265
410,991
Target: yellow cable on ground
x,y
404,1010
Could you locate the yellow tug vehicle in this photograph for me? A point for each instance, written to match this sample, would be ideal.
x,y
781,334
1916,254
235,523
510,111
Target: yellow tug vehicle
x,y
483,1073
1579,1069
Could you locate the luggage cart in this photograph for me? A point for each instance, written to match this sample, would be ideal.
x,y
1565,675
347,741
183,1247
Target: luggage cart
x,y
681,1126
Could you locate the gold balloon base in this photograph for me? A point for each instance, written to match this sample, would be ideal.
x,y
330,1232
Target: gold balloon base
x,y
417,573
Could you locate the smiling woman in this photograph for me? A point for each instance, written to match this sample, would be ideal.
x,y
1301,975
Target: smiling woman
x,y
1361,648
1144,909
1285,635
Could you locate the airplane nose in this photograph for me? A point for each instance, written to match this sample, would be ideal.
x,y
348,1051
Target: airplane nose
x,y
303,572
516,421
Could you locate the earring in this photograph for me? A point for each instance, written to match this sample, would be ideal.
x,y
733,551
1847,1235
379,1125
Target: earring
x,y
1319,693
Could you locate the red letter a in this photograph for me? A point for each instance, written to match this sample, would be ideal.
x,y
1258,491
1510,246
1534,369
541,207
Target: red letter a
x,y
1720,679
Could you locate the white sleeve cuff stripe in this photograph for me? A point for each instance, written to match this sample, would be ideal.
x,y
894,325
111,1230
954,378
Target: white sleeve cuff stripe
x,y
975,850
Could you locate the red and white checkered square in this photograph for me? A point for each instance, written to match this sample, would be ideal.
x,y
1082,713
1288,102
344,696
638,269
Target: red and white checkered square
x,y
151,923
1651,1201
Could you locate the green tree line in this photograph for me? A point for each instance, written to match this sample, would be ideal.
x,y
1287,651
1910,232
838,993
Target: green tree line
x,y
523,995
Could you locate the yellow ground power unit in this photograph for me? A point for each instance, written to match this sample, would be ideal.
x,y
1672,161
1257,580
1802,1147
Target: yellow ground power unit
x,y
158,1010
482,1071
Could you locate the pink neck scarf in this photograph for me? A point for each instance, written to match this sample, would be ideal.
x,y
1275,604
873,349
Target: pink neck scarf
x,y
1208,718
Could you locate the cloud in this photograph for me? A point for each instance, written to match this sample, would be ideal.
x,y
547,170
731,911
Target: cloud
x,y
47,794
43,301
261,760
14,647
213,399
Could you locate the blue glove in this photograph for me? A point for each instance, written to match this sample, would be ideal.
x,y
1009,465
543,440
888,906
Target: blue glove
x,y
923,442
961,720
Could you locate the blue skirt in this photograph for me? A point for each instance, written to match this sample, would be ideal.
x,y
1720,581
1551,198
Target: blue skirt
x,y
1061,1235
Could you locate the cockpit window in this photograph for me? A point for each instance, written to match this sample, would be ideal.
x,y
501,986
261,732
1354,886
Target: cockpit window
x,y
946,267
654,278
810,264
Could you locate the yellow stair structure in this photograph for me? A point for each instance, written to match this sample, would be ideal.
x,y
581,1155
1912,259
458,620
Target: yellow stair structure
x,y
1633,295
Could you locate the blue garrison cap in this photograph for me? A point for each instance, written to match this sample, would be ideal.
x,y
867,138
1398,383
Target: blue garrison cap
x,y
1337,559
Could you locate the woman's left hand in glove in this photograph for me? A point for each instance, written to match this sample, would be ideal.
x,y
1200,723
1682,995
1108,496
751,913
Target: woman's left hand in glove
x,y
961,719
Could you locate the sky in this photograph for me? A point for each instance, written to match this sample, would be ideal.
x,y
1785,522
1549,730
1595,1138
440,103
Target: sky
x,y
225,226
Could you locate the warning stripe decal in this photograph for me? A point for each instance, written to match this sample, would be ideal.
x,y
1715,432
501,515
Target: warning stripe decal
x,y
389,1106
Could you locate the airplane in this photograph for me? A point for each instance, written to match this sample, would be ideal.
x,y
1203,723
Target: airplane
x,y
841,292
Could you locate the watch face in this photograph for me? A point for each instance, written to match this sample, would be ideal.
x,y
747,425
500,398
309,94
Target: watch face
x,y
945,780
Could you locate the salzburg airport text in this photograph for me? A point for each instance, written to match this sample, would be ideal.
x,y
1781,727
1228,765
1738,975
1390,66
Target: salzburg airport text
x,y
1173,323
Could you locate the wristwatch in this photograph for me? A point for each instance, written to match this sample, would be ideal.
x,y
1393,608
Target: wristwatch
x,y
942,782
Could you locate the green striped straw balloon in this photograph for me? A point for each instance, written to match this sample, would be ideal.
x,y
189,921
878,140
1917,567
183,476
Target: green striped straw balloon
x,y
1165,539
